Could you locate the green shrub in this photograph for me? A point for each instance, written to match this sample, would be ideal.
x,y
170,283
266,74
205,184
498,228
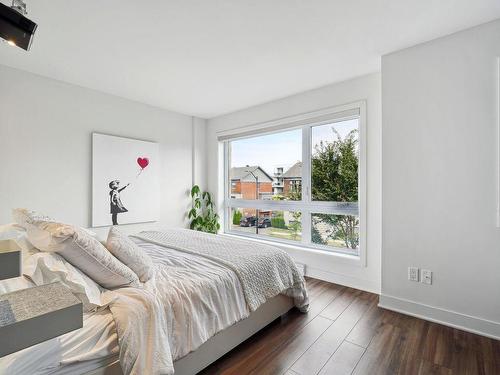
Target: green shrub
x,y
237,215
278,222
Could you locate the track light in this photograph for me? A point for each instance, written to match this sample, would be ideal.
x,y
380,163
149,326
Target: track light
x,y
15,28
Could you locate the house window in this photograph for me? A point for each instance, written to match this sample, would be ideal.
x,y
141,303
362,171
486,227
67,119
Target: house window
x,y
300,183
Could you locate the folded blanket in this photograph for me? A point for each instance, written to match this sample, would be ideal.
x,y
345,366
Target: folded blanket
x,y
264,271
141,325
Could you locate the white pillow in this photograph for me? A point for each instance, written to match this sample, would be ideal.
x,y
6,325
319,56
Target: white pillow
x,y
44,268
130,254
82,251
49,235
24,217
18,234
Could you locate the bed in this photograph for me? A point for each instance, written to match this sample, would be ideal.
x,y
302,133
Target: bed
x,y
208,312
215,347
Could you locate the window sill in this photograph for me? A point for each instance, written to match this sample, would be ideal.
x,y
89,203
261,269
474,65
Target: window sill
x,y
337,257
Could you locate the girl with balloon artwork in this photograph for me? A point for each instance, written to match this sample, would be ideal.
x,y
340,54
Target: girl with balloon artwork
x,y
116,204
115,201
125,179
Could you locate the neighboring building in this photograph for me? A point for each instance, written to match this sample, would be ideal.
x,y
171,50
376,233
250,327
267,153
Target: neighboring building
x,y
292,178
278,181
243,183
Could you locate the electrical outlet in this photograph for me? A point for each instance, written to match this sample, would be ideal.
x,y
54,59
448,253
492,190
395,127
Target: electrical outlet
x,y
426,277
413,274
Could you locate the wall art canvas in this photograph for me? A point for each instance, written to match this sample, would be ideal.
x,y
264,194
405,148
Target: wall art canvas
x,y
125,181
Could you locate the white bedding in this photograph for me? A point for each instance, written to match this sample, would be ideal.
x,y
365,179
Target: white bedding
x,y
202,297
264,271
141,325
173,298
97,340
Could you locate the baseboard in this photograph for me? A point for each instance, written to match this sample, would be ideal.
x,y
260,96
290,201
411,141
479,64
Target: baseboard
x,y
345,280
449,318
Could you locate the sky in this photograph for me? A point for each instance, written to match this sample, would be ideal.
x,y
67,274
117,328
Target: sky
x,y
282,149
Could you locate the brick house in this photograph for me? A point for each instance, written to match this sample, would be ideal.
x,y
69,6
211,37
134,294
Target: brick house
x,y
292,178
243,183
243,186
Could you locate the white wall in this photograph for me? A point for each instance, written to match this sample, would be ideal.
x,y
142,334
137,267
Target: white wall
x,y
199,166
321,264
439,179
45,147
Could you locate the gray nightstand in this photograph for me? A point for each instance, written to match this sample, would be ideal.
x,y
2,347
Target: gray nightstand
x,y
34,315
10,259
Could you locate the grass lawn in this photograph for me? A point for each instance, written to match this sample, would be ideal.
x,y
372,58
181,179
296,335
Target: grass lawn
x,y
282,233
285,234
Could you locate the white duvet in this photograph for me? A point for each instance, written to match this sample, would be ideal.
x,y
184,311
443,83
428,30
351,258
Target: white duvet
x,y
141,325
176,292
201,296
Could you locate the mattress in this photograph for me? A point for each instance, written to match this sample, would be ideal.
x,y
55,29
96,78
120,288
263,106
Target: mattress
x,y
202,298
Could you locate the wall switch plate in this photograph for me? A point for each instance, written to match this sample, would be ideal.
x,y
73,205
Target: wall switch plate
x,y
413,274
426,277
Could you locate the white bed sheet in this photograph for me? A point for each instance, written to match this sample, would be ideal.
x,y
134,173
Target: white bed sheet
x,y
202,298
16,283
96,340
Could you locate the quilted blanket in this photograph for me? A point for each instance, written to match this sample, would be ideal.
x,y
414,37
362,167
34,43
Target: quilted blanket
x,y
263,270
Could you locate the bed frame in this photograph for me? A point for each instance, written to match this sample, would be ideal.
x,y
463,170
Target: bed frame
x,y
219,344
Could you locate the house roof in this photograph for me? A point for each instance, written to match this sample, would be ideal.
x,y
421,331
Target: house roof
x,y
295,171
243,174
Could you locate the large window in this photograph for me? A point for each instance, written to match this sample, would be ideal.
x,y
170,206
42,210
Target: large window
x,y
298,183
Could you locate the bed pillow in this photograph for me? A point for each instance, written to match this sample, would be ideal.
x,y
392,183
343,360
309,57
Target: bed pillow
x,y
44,268
82,251
18,234
25,217
39,238
130,254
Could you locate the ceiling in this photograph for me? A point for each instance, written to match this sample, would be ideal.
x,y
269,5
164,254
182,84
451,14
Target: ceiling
x,y
207,58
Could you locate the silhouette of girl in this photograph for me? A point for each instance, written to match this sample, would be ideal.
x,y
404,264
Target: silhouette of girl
x,y
116,204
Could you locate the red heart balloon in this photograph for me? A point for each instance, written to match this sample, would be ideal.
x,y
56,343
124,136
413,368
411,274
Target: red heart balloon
x,y
143,162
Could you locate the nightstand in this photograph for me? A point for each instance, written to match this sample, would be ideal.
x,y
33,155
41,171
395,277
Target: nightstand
x,y
31,316
10,259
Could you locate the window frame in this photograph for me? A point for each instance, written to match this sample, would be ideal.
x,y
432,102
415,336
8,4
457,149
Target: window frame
x,y
306,205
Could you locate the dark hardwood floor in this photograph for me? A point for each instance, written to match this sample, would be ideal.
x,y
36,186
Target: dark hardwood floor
x,y
346,333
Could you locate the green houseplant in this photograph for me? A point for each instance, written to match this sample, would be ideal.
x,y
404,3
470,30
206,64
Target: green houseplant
x,y
202,214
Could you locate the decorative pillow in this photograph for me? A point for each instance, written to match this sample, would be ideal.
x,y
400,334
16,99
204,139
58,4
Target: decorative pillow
x,y
82,251
18,234
44,268
48,235
25,217
130,254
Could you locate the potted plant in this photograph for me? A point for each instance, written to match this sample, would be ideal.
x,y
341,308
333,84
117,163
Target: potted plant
x,y
202,214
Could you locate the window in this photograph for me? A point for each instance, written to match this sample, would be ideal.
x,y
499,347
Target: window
x,y
299,182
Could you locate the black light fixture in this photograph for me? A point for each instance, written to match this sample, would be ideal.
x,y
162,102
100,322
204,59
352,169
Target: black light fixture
x,y
15,28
